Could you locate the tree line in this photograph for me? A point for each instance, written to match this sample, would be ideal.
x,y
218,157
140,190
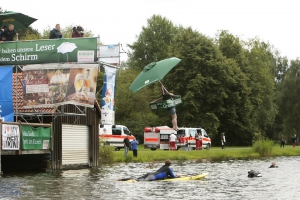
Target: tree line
x,y
242,88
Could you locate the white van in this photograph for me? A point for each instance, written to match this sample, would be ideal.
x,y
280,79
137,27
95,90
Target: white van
x,y
114,135
158,137
189,138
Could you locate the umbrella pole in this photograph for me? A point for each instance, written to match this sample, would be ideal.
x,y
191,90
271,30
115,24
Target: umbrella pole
x,y
164,87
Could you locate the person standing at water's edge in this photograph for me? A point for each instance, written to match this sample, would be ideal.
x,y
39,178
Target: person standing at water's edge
x,y
294,140
134,145
282,142
223,140
126,143
172,142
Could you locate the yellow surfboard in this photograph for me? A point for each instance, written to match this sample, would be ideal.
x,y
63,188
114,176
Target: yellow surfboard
x,y
186,178
183,178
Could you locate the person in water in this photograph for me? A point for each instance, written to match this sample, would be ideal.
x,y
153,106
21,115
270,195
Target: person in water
x,y
253,173
161,174
273,165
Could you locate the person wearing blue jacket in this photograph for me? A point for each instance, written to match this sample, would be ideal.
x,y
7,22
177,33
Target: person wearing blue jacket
x,y
134,146
162,173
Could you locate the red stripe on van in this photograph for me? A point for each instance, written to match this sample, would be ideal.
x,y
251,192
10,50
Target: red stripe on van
x,y
151,139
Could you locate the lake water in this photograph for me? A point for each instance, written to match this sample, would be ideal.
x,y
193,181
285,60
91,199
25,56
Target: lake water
x,y
227,180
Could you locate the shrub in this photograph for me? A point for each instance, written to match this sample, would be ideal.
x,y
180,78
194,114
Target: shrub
x,y
263,147
128,158
106,152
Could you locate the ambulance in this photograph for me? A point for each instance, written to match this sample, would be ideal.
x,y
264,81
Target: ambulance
x,y
158,137
114,135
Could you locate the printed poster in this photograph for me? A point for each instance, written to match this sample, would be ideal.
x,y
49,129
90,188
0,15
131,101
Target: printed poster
x,y
58,84
10,137
108,96
35,138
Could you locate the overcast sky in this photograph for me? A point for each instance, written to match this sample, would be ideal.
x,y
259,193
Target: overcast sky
x,y
120,21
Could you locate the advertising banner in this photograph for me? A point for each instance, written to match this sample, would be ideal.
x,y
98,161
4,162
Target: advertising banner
x,y
109,54
6,103
108,95
57,84
35,138
10,137
48,51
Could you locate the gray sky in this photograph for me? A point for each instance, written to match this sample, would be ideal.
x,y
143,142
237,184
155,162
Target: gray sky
x,y
120,21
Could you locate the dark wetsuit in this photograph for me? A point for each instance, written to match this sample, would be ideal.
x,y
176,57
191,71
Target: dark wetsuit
x,y
161,174
253,173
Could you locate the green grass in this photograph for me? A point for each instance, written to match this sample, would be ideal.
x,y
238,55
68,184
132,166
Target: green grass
x,y
215,153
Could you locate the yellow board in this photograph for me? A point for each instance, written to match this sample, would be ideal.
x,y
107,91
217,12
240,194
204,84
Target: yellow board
x,y
183,178
186,178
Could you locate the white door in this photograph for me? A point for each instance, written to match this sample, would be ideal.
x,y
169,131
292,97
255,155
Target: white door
x,y
75,140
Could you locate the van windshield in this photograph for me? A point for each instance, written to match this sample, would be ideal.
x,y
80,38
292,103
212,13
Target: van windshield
x,y
205,134
116,131
126,130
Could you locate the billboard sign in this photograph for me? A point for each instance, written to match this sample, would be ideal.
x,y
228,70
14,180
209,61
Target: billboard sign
x,y
10,137
57,84
48,51
35,138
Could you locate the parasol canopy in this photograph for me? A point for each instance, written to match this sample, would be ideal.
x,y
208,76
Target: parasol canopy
x,y
19,20
153,72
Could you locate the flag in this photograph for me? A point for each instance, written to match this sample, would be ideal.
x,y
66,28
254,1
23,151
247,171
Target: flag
x,y
6,100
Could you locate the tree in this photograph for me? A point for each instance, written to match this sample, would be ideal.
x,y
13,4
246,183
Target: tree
x,y
260,71
288,96
29,34
1,10
153,42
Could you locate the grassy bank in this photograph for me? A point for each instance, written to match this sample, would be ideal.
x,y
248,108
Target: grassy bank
x,y
215,153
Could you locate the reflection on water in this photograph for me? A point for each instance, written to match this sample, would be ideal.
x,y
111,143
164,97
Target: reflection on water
x,y
227,180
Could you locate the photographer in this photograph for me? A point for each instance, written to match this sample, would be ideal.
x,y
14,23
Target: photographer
x,y
77,32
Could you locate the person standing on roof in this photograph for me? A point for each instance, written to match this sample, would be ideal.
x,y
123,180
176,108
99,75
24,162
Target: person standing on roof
x,y
10,33
55,32
77,32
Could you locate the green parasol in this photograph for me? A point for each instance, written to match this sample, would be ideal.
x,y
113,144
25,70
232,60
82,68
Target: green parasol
x,y
153,72
19,20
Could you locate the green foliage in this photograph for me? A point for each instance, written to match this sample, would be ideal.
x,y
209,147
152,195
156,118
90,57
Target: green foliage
x,y
257,136
288,100
1,10
227,85
153,42
263,147
29,34
128,158
106,152
33,34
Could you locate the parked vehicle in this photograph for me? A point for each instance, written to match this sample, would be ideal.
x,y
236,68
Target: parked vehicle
x,y
158,137
114,135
